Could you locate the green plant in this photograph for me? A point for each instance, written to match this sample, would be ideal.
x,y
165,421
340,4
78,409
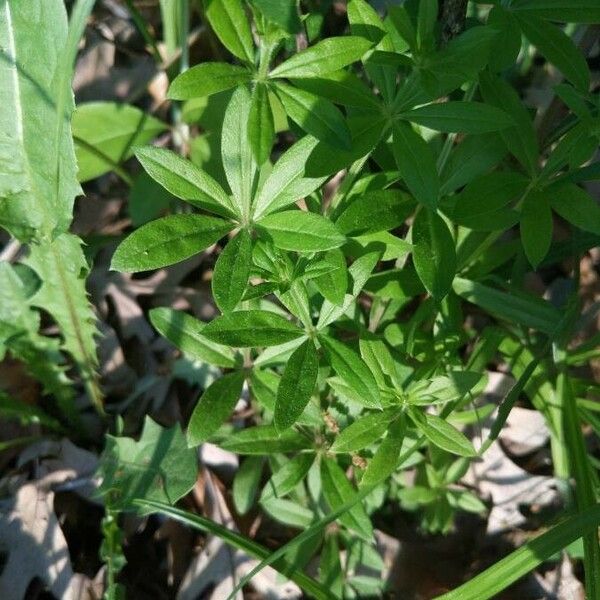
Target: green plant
x,y
417,191
342,375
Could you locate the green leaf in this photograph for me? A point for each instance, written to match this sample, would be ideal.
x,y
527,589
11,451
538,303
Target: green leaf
x,y
444,435
506,571
520,139
246,482
416,164
234,539
287,182
264,440
337,491
340,87
478,206
296,385
558,48
19,334
301,231
62,268
576,206
185,332
525,310
564,11
159,466
333,284
473,157
288,512
377,210
324,57
360,271
387,457
112,130
236,154
536,226
285,479
352,370
366,430
283,13
315,115
36,193
232,270
434,253
167,241
457,116
214,407
365,22
426,20
185,180
249,328
206,79
261,129
507,45
228,20
443,388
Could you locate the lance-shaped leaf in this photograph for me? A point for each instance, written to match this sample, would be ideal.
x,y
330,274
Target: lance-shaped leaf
x,y
457,116
442,434
536,226
353,371
229,22
576,206
333,284
214,407
434,253
261,128
296,385
248,328
315,115
232,270
341,87
287,477
36,194
563,11
324,57
365,21
364,431
185,332
558,48
264,439
236,154
246,482
283,13
206,79
479,205
416,164
301,231
337,491
527,310
167,241
520,139
185,180
286,183
378,210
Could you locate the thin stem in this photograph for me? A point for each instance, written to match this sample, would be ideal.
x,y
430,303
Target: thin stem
x,y
143,29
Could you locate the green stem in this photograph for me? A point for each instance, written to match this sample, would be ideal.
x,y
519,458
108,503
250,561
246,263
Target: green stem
x,y
139,22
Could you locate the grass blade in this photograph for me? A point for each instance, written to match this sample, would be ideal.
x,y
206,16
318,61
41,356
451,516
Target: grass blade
x,y
511,568
308,584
